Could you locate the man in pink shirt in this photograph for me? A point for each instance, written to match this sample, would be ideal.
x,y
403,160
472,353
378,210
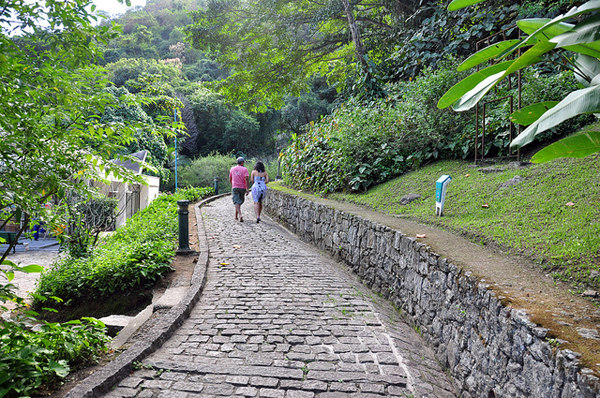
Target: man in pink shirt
x,y
239,179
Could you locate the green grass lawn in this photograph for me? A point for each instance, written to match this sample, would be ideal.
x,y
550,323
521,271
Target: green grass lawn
x,y
552,216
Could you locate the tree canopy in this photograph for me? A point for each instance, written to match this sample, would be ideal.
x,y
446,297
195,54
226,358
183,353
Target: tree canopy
x,y
274,48
51,97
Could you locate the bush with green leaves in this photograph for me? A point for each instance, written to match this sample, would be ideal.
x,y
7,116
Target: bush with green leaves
x,y
364,143
311,162
202,170
32,358
135,256
85,220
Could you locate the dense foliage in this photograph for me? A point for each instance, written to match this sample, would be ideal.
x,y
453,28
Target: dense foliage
x,y
201,171
31,358
136,255
52,99
573,36
365,143
152,60
79,222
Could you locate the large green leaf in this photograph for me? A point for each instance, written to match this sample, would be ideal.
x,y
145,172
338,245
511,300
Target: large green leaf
x,y
552,33
586,68
550,28
532,25
575,146
579,102
32,268
539,30
458,4
530,57
471,98
529,114
584,38
469,83
60,368
486,54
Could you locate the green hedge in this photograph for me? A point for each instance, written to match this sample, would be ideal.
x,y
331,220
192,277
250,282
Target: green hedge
x,y
135,256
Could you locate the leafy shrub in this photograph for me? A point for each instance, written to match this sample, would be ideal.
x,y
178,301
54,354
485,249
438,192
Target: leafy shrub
x,y
85,220
311,162
29,359
365,143
201,171
135,256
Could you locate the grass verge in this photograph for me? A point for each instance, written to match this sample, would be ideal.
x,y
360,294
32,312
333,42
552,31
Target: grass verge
x,y
552,216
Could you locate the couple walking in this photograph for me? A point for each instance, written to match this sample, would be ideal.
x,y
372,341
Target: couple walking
x,y
240,180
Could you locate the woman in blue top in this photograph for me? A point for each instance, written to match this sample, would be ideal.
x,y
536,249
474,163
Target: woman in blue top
x,y
259,178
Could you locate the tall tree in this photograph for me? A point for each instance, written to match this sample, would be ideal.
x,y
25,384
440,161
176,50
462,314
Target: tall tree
x,y
272,47
51,94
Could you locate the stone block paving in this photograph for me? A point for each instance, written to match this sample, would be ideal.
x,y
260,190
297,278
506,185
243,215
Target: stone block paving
x,y
278,319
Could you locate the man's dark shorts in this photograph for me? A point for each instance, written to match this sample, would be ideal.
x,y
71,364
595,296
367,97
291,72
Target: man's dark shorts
x,y
238,195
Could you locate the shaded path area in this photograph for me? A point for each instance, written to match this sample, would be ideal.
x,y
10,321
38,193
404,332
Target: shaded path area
x,y
279,319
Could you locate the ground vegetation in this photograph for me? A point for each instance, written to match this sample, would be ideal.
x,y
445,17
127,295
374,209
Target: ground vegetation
x,y
545,212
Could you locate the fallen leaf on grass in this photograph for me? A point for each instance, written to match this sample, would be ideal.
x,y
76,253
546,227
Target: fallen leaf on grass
x,y
485,205
570,204
467,175
421,236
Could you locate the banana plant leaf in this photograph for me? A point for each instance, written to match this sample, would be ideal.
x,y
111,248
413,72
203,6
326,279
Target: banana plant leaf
x,y
586,68
529,114
584,38
531,25
575,146
579,102
458,4
588,7
471,98
486,54
530,57
469,83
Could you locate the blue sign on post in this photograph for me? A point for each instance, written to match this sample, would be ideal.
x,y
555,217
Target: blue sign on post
x,y
440,193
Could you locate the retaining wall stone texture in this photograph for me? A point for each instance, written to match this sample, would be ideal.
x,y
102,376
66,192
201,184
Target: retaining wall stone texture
x,y
490,350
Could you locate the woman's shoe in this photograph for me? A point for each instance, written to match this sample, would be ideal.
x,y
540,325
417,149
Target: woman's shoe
x,y
258,220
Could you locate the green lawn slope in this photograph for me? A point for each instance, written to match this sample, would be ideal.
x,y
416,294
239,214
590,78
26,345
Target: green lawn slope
x,y
552,216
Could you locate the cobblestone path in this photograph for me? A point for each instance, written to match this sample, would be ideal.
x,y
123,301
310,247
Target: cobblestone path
x,y
279,319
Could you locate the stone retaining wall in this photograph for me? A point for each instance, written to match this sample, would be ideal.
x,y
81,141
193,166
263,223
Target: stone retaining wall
x,y
490,350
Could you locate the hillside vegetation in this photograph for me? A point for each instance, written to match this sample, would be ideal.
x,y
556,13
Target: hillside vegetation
x,y
552,216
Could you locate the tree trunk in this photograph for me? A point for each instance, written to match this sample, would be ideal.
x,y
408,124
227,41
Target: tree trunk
x,y
358,45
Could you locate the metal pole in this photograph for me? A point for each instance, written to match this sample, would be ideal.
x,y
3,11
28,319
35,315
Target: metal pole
x,y
183,212
175,114
216,185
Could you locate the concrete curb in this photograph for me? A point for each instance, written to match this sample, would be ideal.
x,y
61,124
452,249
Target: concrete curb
x,y
103,380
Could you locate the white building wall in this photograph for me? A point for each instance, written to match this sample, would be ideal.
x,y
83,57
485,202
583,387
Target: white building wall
x,y
149,192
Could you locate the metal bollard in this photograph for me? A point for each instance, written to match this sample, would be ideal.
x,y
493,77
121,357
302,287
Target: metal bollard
x,y
216,185
183,212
